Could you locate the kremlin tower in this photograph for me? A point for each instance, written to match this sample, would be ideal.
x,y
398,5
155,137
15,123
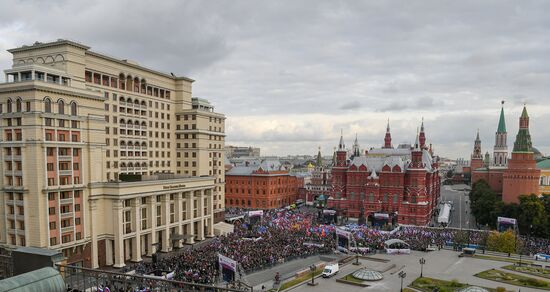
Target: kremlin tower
x,y
522,176
477,157
500,153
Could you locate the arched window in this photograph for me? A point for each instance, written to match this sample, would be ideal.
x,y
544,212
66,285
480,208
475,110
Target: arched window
x,y
61,107
73,109
18,105
10,105
47,105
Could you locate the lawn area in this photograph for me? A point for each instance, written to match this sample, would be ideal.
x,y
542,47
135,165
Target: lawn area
x,y
351,278
541,272
514,279
299,280
500,259
429,284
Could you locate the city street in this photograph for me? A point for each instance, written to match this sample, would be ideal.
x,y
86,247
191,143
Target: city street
x,y
460,216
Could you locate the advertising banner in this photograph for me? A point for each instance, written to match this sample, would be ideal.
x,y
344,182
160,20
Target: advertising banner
x,y
227,263
343,233
255,213
506,220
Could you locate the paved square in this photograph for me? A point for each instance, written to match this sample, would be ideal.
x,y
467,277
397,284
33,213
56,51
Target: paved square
x,y
442,264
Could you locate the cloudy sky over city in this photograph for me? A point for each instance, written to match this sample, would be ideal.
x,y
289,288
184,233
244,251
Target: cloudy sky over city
x,y
289,75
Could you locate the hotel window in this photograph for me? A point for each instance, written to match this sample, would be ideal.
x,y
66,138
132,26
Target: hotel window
x,y
61,107
172,214
159,215
143,218
74,111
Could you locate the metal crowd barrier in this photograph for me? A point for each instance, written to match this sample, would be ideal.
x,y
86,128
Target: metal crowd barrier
x,y
90,280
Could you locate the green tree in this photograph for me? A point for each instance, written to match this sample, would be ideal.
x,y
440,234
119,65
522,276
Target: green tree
x,y
478,188
532,217
510,210
502,242
484,203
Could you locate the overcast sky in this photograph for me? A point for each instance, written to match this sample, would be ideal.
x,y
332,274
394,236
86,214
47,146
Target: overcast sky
x,y
290,74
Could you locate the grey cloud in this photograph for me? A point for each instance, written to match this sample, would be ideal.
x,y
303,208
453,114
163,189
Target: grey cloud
x,y
353,105
455,59
420,103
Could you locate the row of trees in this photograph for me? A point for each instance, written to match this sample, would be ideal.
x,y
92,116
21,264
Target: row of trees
x,y
532,212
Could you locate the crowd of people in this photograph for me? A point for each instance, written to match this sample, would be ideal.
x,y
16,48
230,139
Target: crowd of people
x,y
280,235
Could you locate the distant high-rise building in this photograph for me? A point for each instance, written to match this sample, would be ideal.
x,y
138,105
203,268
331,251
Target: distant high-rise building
x,y
237,151
103,159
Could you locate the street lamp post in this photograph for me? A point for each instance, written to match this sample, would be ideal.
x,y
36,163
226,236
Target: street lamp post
x,y
402,275
312,268
422,262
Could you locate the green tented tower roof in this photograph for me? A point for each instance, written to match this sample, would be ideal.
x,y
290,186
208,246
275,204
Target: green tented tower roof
x,y
501,122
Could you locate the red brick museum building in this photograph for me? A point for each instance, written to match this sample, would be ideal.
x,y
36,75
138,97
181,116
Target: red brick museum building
x,y
386,185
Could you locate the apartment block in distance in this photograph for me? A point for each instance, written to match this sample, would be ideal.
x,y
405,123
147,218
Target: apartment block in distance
x,y
237,151
104,159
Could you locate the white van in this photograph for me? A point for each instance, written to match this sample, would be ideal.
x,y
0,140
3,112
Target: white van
x,y
330,270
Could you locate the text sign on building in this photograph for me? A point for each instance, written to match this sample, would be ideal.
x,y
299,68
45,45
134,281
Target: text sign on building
x,y
171,187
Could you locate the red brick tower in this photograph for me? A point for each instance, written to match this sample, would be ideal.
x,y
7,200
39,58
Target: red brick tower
x,y
522,176
339,179
477,157
387,138
415,187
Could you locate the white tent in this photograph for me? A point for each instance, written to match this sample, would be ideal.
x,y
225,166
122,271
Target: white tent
x,y
444,214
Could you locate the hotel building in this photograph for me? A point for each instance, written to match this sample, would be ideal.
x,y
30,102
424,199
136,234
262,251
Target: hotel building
x,y
104,159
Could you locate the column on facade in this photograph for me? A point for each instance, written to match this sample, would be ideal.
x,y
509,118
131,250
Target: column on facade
x,y
178,217
190,206
165,203
201,216
136,240
152,218
93,233
210,213
119,241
